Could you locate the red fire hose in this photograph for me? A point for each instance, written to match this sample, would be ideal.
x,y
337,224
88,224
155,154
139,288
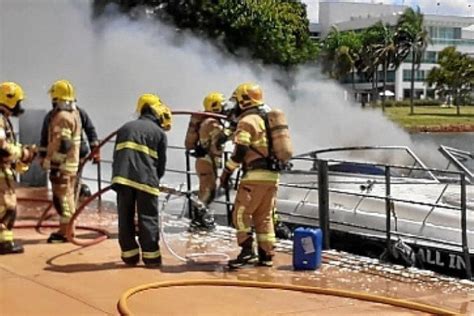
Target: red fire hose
x,y
104,234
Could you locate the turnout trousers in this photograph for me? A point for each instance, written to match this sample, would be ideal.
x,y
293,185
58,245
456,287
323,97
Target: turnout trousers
x,y
254,205
64,197
146,206
7,206
207,174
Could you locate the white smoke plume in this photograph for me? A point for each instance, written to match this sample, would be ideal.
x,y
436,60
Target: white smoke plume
x,y
111,62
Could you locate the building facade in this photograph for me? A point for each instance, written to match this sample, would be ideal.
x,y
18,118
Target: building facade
x,y
443,30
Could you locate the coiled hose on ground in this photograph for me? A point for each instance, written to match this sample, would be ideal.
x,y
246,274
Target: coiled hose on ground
x,y
123,308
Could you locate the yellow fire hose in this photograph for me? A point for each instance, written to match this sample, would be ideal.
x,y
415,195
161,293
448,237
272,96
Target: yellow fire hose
x,y
124,310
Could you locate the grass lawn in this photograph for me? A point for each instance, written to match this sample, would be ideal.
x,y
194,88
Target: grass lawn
x,y
433,118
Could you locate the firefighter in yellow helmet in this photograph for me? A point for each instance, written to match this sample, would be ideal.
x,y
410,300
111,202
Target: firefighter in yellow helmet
x,y
62,154
205,137
257,190
13,156
138,165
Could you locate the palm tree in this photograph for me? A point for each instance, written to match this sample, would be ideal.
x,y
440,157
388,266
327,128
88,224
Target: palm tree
x,y
340,52
411,36
386,53
369,61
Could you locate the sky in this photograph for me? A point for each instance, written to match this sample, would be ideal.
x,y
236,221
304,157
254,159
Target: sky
x,y
445,7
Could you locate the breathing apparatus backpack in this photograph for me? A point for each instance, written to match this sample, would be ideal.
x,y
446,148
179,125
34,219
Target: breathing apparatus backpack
x,y
280,148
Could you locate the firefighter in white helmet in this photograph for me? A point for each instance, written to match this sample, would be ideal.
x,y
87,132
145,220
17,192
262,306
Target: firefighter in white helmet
x,y
13,157
62,154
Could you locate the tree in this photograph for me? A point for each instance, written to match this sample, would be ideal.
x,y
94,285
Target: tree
x,y
274,31
411,36
340,53
454,77
368,64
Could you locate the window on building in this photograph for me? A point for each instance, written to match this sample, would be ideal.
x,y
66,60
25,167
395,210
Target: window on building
x,y
457,33
442,32
406,93
419,75
417,95
430,57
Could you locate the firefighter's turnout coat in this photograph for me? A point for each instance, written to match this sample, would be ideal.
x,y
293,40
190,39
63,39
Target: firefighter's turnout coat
x,y
62,158
138,164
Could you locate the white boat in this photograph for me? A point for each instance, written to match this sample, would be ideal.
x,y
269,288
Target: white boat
x,y
425,205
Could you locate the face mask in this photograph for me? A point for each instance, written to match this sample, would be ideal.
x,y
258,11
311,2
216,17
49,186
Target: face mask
x,y
18,110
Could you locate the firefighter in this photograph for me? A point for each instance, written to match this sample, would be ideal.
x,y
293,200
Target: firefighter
x,y
138,165
14,157
257,190
62,154
89,142
207,148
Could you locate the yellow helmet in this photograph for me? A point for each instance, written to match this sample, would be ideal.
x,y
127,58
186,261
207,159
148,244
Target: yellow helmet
x,y
214,102
146,98
163,114
10,94
248,95
62,90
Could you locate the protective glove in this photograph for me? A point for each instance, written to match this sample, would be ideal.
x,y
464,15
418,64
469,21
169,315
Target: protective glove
x,y
223,137
29,153
225,179
199,152
96,154
21,167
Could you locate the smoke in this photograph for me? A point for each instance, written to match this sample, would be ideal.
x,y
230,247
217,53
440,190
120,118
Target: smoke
x,y
114,60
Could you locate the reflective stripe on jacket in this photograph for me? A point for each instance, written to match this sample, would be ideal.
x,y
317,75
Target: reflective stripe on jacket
x,y
251,133
140,155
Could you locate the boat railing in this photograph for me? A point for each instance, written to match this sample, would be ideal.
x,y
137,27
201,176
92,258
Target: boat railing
x,y
325,190
331,150
322,184
456,157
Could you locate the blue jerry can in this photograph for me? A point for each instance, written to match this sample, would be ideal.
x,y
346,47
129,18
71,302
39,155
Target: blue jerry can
x,y
307,248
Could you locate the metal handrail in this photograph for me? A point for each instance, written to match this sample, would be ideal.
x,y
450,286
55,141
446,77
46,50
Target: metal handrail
x,y
452,155
315,153
389,181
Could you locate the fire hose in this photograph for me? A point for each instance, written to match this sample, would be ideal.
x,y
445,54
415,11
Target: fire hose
x,y
190,258
123,308
104,234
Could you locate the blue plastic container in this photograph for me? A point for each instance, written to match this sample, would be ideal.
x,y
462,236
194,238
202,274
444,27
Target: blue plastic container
x,y
307,248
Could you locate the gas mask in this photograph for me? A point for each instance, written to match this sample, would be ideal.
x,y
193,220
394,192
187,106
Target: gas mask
x,y
18,109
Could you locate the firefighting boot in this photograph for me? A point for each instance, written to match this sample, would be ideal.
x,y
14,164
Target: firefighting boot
x,y
152,260
10,247
60,236
131,261
264,259
57,238
203,220
152,263
247,256
84,191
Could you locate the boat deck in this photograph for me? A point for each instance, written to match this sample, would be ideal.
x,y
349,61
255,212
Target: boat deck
x,y
66,279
